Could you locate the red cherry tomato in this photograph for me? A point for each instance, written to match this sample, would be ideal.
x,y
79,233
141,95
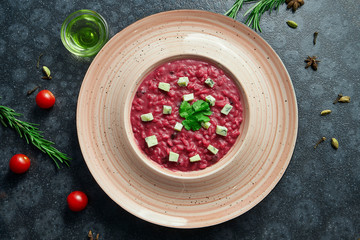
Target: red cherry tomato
x,y
77,201
45,99
19,163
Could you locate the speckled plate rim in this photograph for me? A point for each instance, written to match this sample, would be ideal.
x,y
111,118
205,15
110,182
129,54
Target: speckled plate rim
x,y
91,149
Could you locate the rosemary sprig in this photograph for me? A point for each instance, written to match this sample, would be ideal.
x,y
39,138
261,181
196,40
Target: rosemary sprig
x,y
8,117
232,12
255,11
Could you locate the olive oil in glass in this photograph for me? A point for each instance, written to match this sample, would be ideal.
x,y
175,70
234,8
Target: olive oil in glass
x,y
84,33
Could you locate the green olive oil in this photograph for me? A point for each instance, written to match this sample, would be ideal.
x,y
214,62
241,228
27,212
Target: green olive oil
x,y
86,33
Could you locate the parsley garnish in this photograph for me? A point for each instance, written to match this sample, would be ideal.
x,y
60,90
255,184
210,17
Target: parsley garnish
x,y
194,114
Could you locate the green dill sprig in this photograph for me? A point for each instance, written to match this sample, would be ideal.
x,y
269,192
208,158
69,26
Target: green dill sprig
x,y
255,11
8,118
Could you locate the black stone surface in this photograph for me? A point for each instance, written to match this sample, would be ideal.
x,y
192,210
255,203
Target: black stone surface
x,y
318,196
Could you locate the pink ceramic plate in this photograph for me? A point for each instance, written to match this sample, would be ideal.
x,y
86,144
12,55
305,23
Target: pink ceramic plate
x,y
244,176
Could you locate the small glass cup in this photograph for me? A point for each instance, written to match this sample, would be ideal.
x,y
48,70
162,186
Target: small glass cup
x,y
84,33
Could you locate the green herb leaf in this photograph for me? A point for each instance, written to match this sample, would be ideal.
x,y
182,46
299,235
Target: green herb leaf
x,y
207,112
200,105
194,114
191,124
185,109
200,117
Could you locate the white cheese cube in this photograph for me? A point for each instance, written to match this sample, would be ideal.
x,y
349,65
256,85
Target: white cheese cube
x,y
151,141
212,149
195,158
221,130
147,117
188,97
183,81
226,109
209,82
210,99
164,86
205,125
167,109
173,157
178,126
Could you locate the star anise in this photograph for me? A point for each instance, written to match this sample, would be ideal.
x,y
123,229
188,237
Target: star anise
x,y
294,4
311,61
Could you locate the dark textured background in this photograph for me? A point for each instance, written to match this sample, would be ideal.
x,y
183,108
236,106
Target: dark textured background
x,y
318,196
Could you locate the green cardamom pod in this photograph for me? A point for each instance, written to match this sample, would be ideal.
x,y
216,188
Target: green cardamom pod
x,y
344,99
325,112
46,71
292,24
334,143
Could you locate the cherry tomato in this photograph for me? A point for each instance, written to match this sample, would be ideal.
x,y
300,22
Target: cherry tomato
x,y
19,163
77,201
45,99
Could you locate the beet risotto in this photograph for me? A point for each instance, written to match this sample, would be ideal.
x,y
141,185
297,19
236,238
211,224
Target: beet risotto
x,y
186,115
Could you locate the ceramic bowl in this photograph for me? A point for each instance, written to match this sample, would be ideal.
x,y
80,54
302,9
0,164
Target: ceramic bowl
x,y
209,172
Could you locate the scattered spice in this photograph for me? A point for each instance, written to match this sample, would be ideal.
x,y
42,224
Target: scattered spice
x,y
38,61
46,72
32,90
337,98
91,237
311,61
344,99
315,37
320,141
334,143
294,4
325,112
292,24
